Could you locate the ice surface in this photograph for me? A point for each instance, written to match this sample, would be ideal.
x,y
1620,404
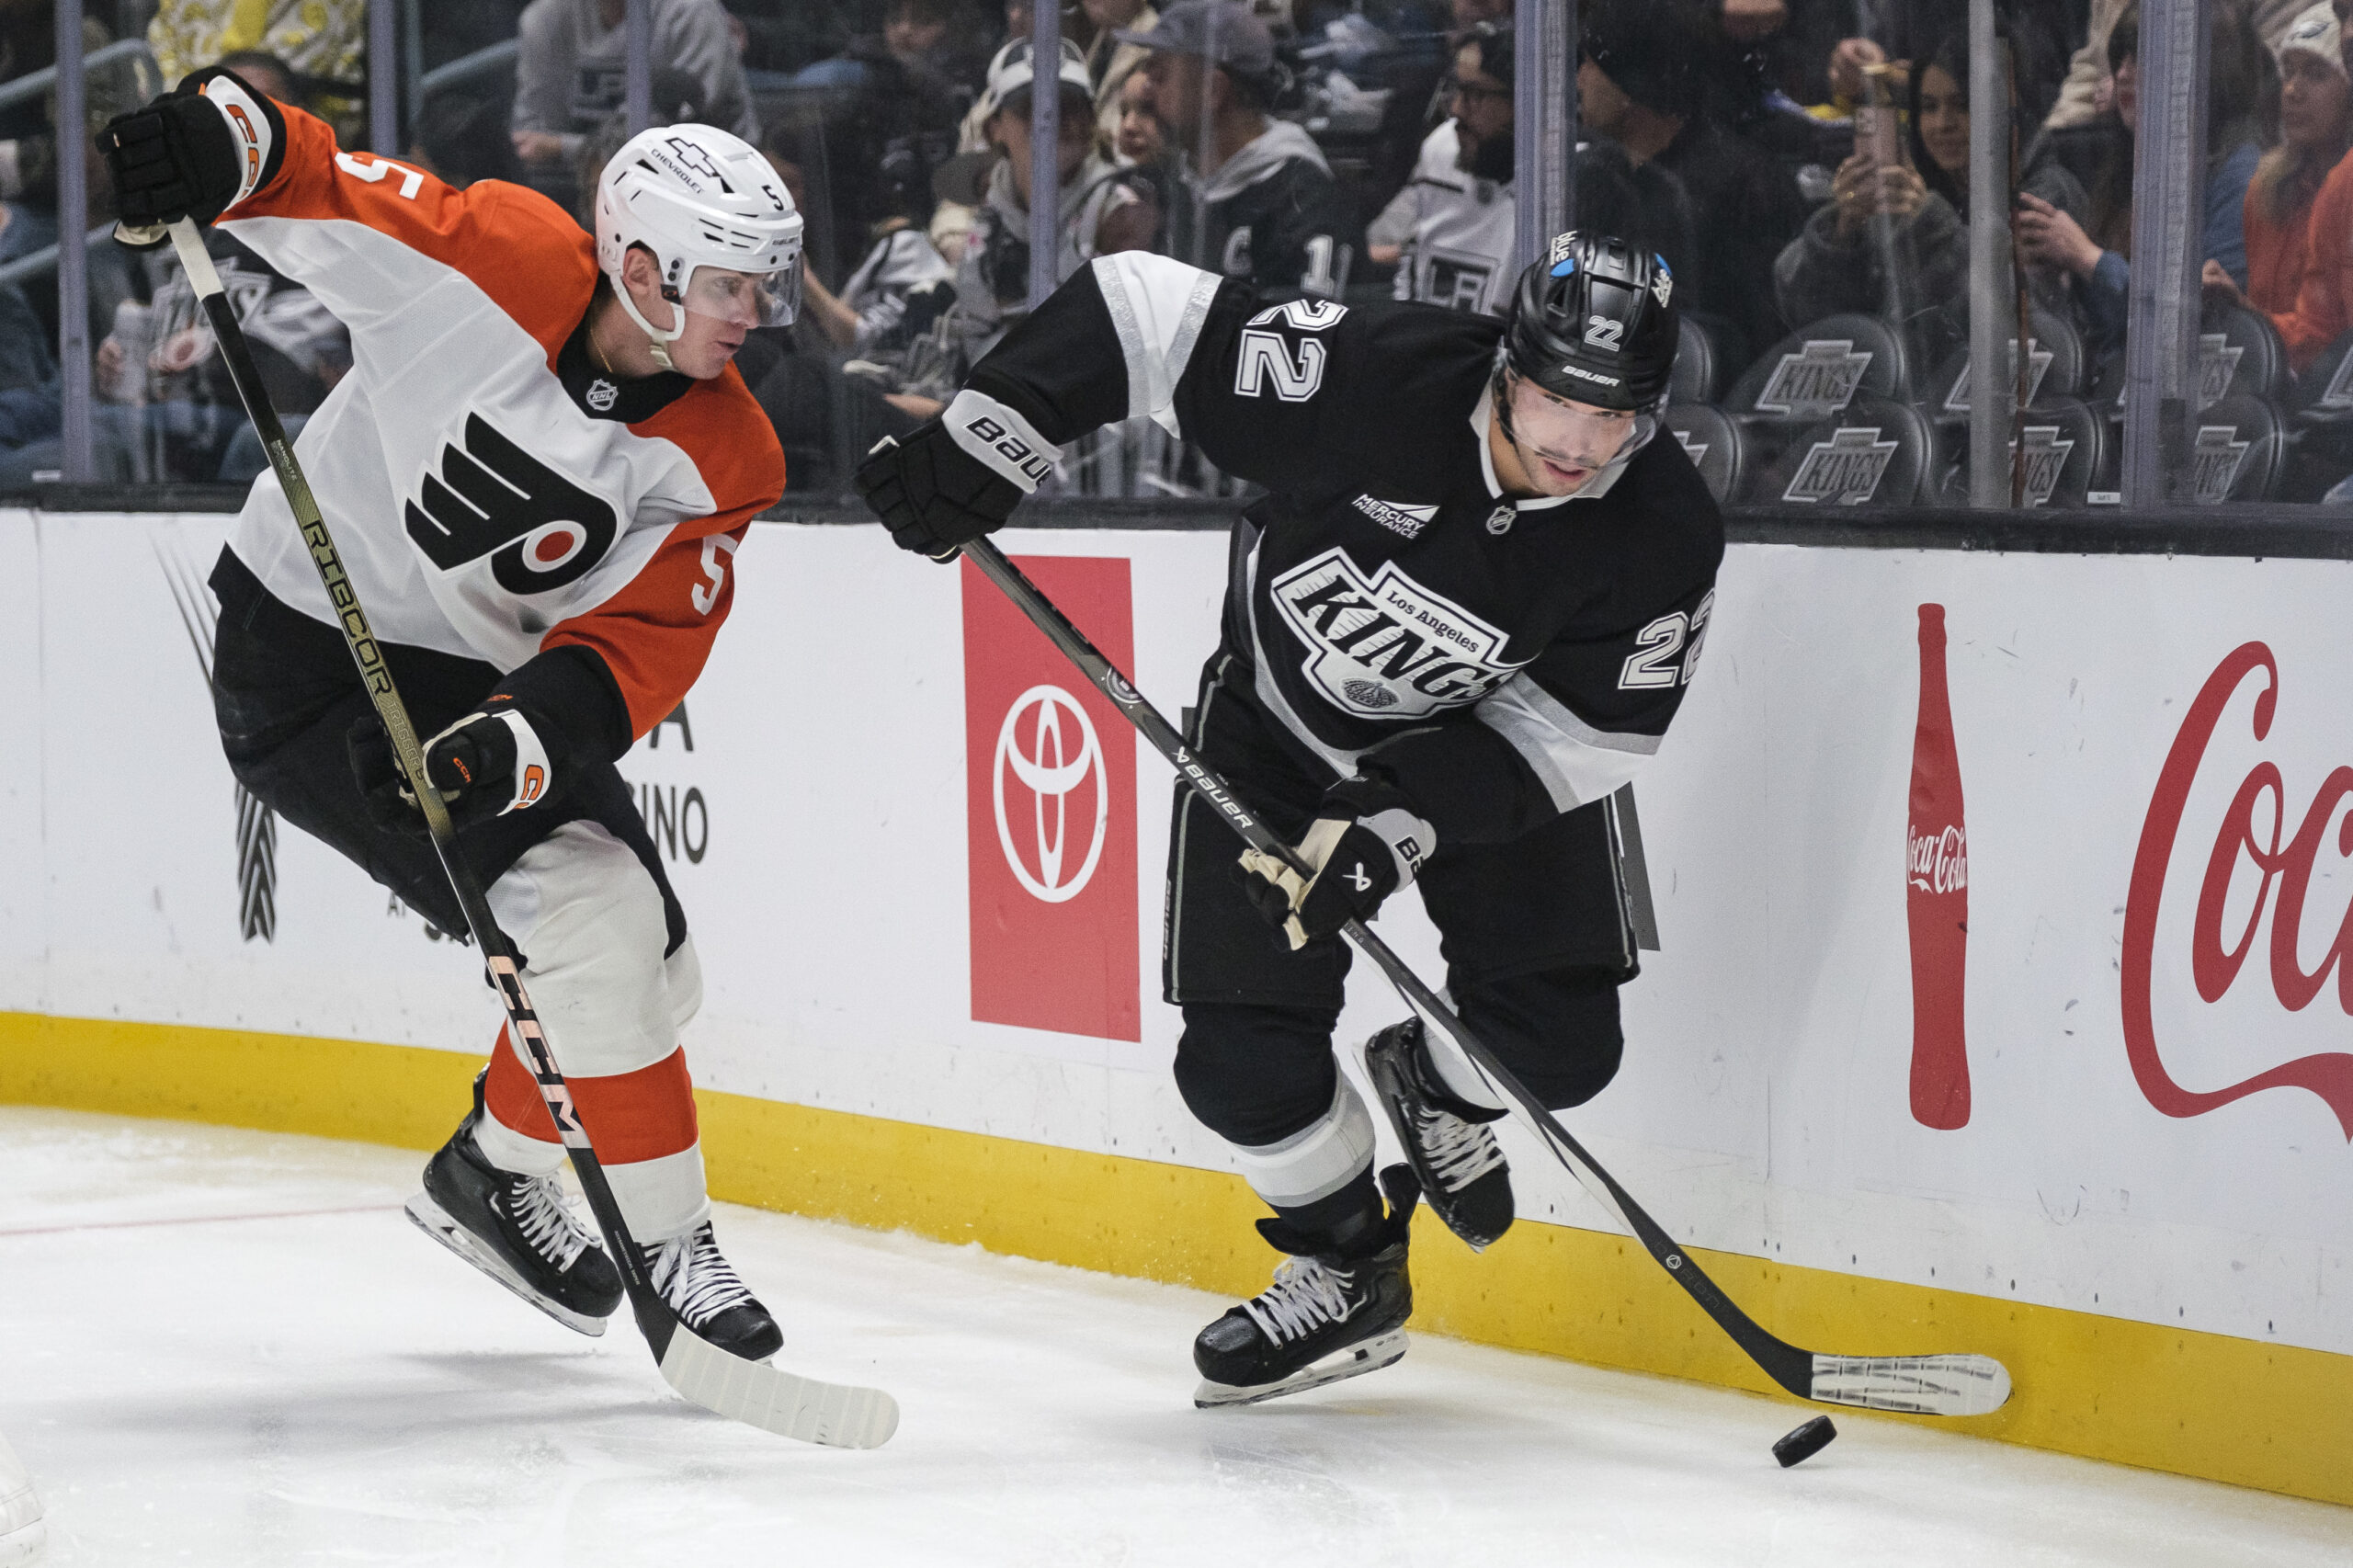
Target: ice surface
x,y
192,1385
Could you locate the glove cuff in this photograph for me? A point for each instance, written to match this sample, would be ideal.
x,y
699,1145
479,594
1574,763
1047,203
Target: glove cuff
x,y
997,435
1382,809
254,129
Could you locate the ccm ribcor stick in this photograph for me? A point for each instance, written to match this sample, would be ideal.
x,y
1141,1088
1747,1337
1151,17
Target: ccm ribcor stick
x,y
751,1392
1917,1385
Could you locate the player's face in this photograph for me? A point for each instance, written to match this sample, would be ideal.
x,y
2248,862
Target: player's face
x,y
721,307
1563,443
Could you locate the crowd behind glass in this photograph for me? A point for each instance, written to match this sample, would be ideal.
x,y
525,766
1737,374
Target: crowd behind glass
x,y
1801,166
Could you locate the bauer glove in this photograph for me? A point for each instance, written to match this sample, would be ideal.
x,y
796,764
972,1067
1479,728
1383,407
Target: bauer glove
x,y
190,154
485,764
1366,843
932,494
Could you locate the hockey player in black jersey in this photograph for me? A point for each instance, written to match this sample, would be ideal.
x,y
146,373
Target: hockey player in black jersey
x,y
1463,615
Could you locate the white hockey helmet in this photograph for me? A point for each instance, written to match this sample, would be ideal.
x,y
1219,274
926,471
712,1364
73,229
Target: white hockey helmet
x,y
720,224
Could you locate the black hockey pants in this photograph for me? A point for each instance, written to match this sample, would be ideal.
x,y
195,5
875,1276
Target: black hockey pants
x,y
286,695
1533,933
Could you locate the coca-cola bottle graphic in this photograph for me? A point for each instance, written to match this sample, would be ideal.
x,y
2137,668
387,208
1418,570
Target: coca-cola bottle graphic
x,y
1936,896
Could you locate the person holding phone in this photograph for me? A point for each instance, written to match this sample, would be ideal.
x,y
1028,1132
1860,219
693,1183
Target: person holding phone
x,y
1915,176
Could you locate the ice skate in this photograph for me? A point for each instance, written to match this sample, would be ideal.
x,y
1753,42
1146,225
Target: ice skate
x,y
1452,1150
703,1288
517,1229
1329,1314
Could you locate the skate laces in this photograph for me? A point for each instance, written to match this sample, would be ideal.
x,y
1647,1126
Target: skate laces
x,y
1459,1151
694,1277
1306,1294
537,1206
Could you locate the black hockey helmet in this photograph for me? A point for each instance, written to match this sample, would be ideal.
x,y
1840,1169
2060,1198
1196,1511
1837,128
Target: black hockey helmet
x,y
1593,319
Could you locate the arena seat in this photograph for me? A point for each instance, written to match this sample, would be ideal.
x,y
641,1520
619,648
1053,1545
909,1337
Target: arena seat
x,y
1879,452
1715,444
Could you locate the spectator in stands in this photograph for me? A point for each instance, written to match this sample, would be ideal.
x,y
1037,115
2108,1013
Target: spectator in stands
x,y
1918,262
1109,62
894,101
2317,130
2095,257
1138,137
871,315
1453,223
319,40
1101,210
571,69
1903,32
1636,87
1261,204
2088,92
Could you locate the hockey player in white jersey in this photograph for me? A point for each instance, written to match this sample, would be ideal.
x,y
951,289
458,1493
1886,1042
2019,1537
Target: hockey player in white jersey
x,y
539,472
1462,617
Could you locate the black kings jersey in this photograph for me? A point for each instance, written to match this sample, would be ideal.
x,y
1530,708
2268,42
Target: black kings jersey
x,y
1502,661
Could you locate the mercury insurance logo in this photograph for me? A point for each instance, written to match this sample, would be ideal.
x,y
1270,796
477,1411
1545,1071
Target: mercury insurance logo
x,y
1048,752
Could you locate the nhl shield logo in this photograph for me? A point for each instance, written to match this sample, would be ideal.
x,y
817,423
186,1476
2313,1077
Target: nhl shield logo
x,y
603,394
1499,521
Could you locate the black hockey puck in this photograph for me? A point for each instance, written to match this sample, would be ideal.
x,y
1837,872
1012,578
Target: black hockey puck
x,y
1801,1443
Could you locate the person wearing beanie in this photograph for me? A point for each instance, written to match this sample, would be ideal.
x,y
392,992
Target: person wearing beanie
x,y
1259,202
2316,131
1636,87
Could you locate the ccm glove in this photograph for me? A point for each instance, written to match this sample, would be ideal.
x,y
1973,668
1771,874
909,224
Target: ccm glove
x,y
190,154
932,494
1366,843
485,764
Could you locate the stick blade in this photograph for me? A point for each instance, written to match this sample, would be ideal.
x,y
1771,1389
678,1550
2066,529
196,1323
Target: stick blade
x,y
1915,1385
839,1416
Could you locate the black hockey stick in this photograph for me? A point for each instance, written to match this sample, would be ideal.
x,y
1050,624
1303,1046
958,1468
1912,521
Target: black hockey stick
x,y
752,1392
1918,1385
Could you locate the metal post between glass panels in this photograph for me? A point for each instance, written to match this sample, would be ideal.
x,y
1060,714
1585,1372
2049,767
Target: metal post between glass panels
x,y
2161,372
1045,141
77,463
384,78
1991,392
637,41
1544,107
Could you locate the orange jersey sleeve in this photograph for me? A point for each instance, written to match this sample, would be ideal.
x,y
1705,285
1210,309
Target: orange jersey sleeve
x,y
513,244
656,634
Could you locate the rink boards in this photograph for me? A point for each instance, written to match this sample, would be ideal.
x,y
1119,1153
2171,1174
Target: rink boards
x,y
922,867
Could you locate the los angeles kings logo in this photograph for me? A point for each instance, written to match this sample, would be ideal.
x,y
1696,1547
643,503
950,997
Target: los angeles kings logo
x,y
1386,647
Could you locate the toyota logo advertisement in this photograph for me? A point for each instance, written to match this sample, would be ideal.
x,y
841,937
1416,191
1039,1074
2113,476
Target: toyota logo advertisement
x,y
1051,769
1047,751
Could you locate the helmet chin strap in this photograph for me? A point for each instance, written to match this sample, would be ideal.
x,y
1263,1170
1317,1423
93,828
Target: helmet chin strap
x,y
657,341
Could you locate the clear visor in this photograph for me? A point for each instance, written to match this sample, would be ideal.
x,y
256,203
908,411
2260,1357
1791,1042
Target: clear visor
x,y
1574,435
745,299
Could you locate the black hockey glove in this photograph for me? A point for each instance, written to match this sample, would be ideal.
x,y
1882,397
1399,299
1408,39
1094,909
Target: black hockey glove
x,y
933,495
1367,842
484,765
177,157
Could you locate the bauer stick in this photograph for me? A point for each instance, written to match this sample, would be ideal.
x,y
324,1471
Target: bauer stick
x,y
1916,1385
752,1392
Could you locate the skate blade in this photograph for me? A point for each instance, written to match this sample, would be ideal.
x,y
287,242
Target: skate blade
x,y
1355,1361
435,1221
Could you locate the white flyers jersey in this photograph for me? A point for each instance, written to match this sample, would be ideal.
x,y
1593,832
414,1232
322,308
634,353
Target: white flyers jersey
x,y
1457,253
492,493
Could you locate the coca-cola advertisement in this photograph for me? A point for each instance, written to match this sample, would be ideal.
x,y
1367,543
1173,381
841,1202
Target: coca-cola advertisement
x,y
2269,860
1936,900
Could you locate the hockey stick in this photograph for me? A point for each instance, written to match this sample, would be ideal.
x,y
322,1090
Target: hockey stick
x,y
752,1392
1918,1385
